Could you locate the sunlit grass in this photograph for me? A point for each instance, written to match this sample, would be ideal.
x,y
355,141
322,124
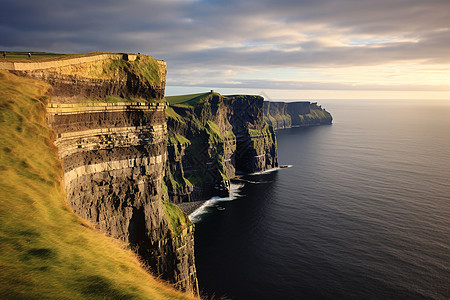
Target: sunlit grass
x,y
146,68
187,100
46,252
34,55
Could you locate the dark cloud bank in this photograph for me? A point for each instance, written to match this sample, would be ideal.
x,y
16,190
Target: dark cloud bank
x,y
215,35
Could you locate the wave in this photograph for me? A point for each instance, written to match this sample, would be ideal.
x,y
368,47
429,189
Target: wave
x,y
271,170
235,189
251,181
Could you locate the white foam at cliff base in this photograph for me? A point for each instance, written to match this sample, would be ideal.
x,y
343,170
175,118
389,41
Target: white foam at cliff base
x,y
271,170
234,194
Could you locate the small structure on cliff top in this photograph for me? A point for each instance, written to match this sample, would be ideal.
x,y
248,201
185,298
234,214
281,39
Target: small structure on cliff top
x,y
130,57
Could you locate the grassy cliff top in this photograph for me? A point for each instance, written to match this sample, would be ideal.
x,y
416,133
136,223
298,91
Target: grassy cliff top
x,y
41,56
15,56
190,100
144,75
46,251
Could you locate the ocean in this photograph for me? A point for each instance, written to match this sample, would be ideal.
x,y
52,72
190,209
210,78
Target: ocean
x,y
363,211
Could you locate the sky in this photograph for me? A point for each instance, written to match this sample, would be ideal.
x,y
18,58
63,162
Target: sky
x,y
284,49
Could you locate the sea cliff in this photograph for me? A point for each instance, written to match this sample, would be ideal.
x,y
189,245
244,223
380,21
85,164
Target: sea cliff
x,y
107,115
47,252
295,114
211,139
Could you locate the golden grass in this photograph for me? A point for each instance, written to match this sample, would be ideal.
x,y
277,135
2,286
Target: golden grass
x,y
46,252
45,56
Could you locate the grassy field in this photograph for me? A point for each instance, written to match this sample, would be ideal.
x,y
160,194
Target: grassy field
x,y
43,56
46,252
34,56
187,100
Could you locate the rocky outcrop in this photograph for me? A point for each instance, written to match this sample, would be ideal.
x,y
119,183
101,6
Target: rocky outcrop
x,y
211,140
114,156
295,114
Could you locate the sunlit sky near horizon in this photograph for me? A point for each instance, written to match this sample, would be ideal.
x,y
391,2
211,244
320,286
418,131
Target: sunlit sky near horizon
x,y
286,49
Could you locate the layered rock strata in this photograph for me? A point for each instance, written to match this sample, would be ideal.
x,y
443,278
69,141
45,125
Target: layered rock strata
x,y
114,155
97,76
295,114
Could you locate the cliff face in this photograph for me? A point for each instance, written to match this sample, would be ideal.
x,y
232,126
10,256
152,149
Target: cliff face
x,y
114,156
295,114
46,251
98,76
256,146
212,138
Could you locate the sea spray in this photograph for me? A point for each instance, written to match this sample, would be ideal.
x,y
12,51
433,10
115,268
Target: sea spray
x,y
235,189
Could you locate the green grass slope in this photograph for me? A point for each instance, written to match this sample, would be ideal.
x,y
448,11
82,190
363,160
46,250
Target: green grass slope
x,y
34,55
188,100
46,252
178,220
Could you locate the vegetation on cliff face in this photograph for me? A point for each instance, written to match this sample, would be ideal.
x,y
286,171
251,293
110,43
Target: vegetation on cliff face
x,y
145,68
94,76
178,220
196,121
265,139
322,116
46,252
273,119
223,131
176,138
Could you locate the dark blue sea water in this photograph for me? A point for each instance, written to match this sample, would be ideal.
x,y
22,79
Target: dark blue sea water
x,y
363,213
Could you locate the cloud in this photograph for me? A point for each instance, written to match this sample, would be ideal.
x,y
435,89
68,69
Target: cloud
x,y
218,38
